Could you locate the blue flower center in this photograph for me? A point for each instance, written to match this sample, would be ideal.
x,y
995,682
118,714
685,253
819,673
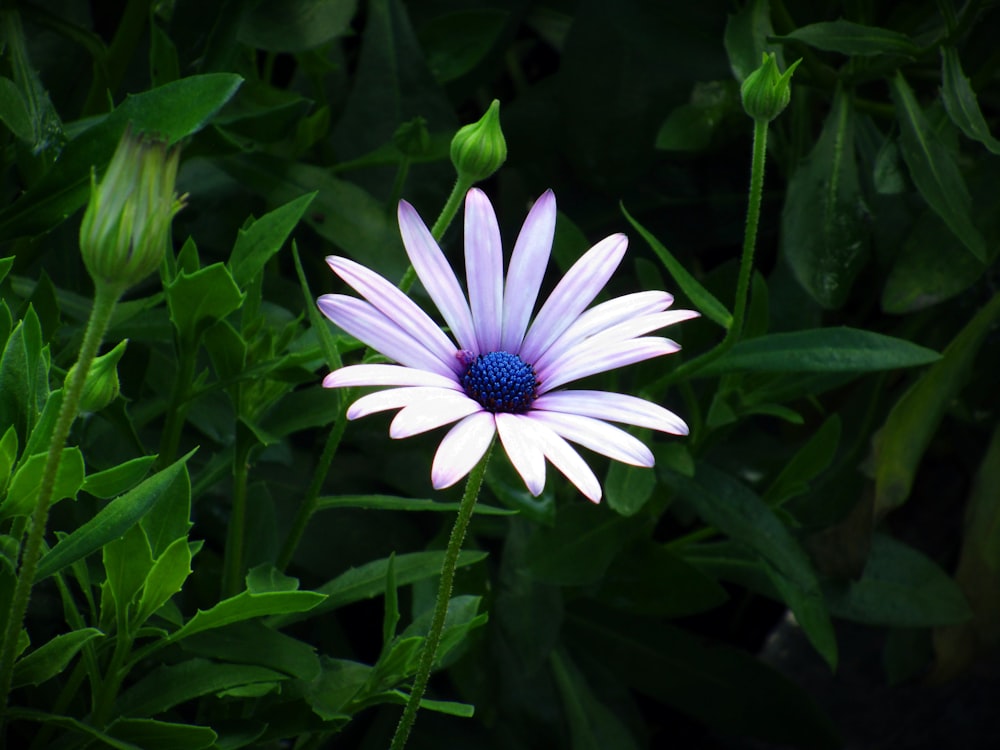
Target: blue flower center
x,y
501,382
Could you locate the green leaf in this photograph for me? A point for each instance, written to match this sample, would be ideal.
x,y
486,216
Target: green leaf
x,y
456,42
8,456
246,606
826,350
168,686
23,376
258,242
592,725
294,25
110,482
628,488
173,111
900,587
899,446
22,495
199,299
46,661
580,547
727,689
341,680
934,169
112,521
825,224
960,101
161,735
67,722
691,126
391,502
702,299
746,38
734,509
165,578
127,561
811,460
14,112
850,38
170,518
252,642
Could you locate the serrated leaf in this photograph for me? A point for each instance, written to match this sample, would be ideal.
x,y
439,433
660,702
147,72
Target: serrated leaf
x,y
258,242
51,658
960,101
199,299
22,494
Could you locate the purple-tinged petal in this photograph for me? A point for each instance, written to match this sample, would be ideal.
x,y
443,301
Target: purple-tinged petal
x,y
597,436
517,435
396,306
613,407
373,328
567,461
527,267
436,275
572,294
447,407
461,449
379,375
484,269
566,348
394,398
605,357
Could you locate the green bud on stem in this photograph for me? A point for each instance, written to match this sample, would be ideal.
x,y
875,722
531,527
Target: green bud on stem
x,y
766,92
479,149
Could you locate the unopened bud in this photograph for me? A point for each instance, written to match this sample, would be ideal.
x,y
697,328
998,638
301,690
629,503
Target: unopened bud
x,y
412,138
101,386
478,150
766,92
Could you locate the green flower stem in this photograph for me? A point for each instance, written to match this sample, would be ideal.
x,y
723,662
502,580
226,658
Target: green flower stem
x,y
232,568
308,505
105,298
179,401
433,640
735,329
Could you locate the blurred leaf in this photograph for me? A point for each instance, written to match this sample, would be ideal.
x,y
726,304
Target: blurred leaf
x,y
169,685
746,38
898,447
734,509
960,101
8,456
161,735
827,350
48,660
113,520
173,112
811,460
934,169
262,113
69,723
295,25
825,224
900,587
850,38
389,502
628,488
691,126
252,642
592,725
702,299
14,112
110,482
651,580
456,42
728,690
22,494
579,548
199,299
930,268
257,242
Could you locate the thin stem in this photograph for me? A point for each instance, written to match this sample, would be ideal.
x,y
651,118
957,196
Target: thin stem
x,y
179,401
433,640
232,571
105,298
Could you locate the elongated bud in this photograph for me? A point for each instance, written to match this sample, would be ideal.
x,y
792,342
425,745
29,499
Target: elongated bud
x,y
125,230
101,386
478,150
766,92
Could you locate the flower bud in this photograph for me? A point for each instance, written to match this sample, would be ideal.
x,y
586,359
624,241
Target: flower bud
x,y
765,92
125,230
412,138
478,150
101,386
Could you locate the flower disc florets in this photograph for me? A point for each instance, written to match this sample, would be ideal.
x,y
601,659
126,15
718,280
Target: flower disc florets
x,y
501,382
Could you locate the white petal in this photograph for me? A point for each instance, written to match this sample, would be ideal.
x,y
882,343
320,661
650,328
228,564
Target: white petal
x,y
461,449
396,306
484,269
436,275
572,294
527,267
362,375
445,408
373,328
393,398
623,330
568,461
516,433
605,357
598,436
614,407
